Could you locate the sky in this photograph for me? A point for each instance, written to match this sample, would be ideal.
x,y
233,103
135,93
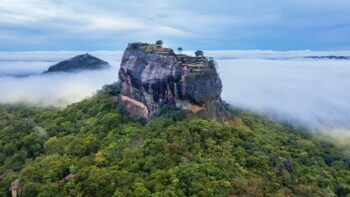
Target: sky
x,y
49,25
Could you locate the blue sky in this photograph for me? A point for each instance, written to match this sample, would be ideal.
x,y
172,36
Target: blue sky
x,y
27,25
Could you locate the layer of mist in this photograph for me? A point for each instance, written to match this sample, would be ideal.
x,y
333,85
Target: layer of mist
x,y
21,78
58,89
310,93
284,85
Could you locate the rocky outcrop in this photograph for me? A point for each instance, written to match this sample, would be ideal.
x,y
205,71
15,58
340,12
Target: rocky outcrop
x,y
152,76
79,63
67,178
15,188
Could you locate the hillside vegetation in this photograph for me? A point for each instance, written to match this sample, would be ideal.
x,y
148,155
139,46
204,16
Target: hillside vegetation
x,y
92,149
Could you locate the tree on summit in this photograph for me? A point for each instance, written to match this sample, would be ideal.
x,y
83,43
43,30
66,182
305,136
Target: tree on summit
x,y
199,53
159,43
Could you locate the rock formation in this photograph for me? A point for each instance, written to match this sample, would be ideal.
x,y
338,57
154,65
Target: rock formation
x,y
78,63
15,188
152,76
67,178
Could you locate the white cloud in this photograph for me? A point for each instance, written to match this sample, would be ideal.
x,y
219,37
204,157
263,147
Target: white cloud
x,y
171,31
232,24
307,92
80,16
311,93
55,89
104,23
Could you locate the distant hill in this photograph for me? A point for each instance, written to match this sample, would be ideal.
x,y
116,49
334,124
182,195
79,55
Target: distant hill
x,y
333,57
79,63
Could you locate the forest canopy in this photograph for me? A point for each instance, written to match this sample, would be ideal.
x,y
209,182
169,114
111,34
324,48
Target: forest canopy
x,y
91,148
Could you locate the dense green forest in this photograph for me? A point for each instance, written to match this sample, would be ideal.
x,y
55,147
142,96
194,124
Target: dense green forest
x,y
91,148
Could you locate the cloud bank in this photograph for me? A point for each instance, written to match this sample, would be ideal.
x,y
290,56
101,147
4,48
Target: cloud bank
x,y
283,85
54,89
311,93
57,89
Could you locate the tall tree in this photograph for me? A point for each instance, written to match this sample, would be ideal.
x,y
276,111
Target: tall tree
x,y
159,43
199,53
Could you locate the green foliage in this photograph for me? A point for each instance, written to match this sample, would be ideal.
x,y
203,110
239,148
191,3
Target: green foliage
x,y
159,43
199,53
133,46
203,75
175,154
179,49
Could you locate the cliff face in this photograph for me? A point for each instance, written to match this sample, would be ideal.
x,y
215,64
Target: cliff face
x,y
151,77
78,63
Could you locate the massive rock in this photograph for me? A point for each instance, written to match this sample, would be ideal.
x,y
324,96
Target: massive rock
x,y
79,63
152,76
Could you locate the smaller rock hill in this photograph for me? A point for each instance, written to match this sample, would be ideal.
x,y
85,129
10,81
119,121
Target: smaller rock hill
x,y
79,63
152,76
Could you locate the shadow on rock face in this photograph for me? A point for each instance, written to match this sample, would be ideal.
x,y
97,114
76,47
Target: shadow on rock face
x,y
152,76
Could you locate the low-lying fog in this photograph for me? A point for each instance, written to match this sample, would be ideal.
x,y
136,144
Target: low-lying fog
x,y
309,92
57,89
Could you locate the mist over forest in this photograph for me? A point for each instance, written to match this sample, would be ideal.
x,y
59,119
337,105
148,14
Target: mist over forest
x,y
306,92
174,98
